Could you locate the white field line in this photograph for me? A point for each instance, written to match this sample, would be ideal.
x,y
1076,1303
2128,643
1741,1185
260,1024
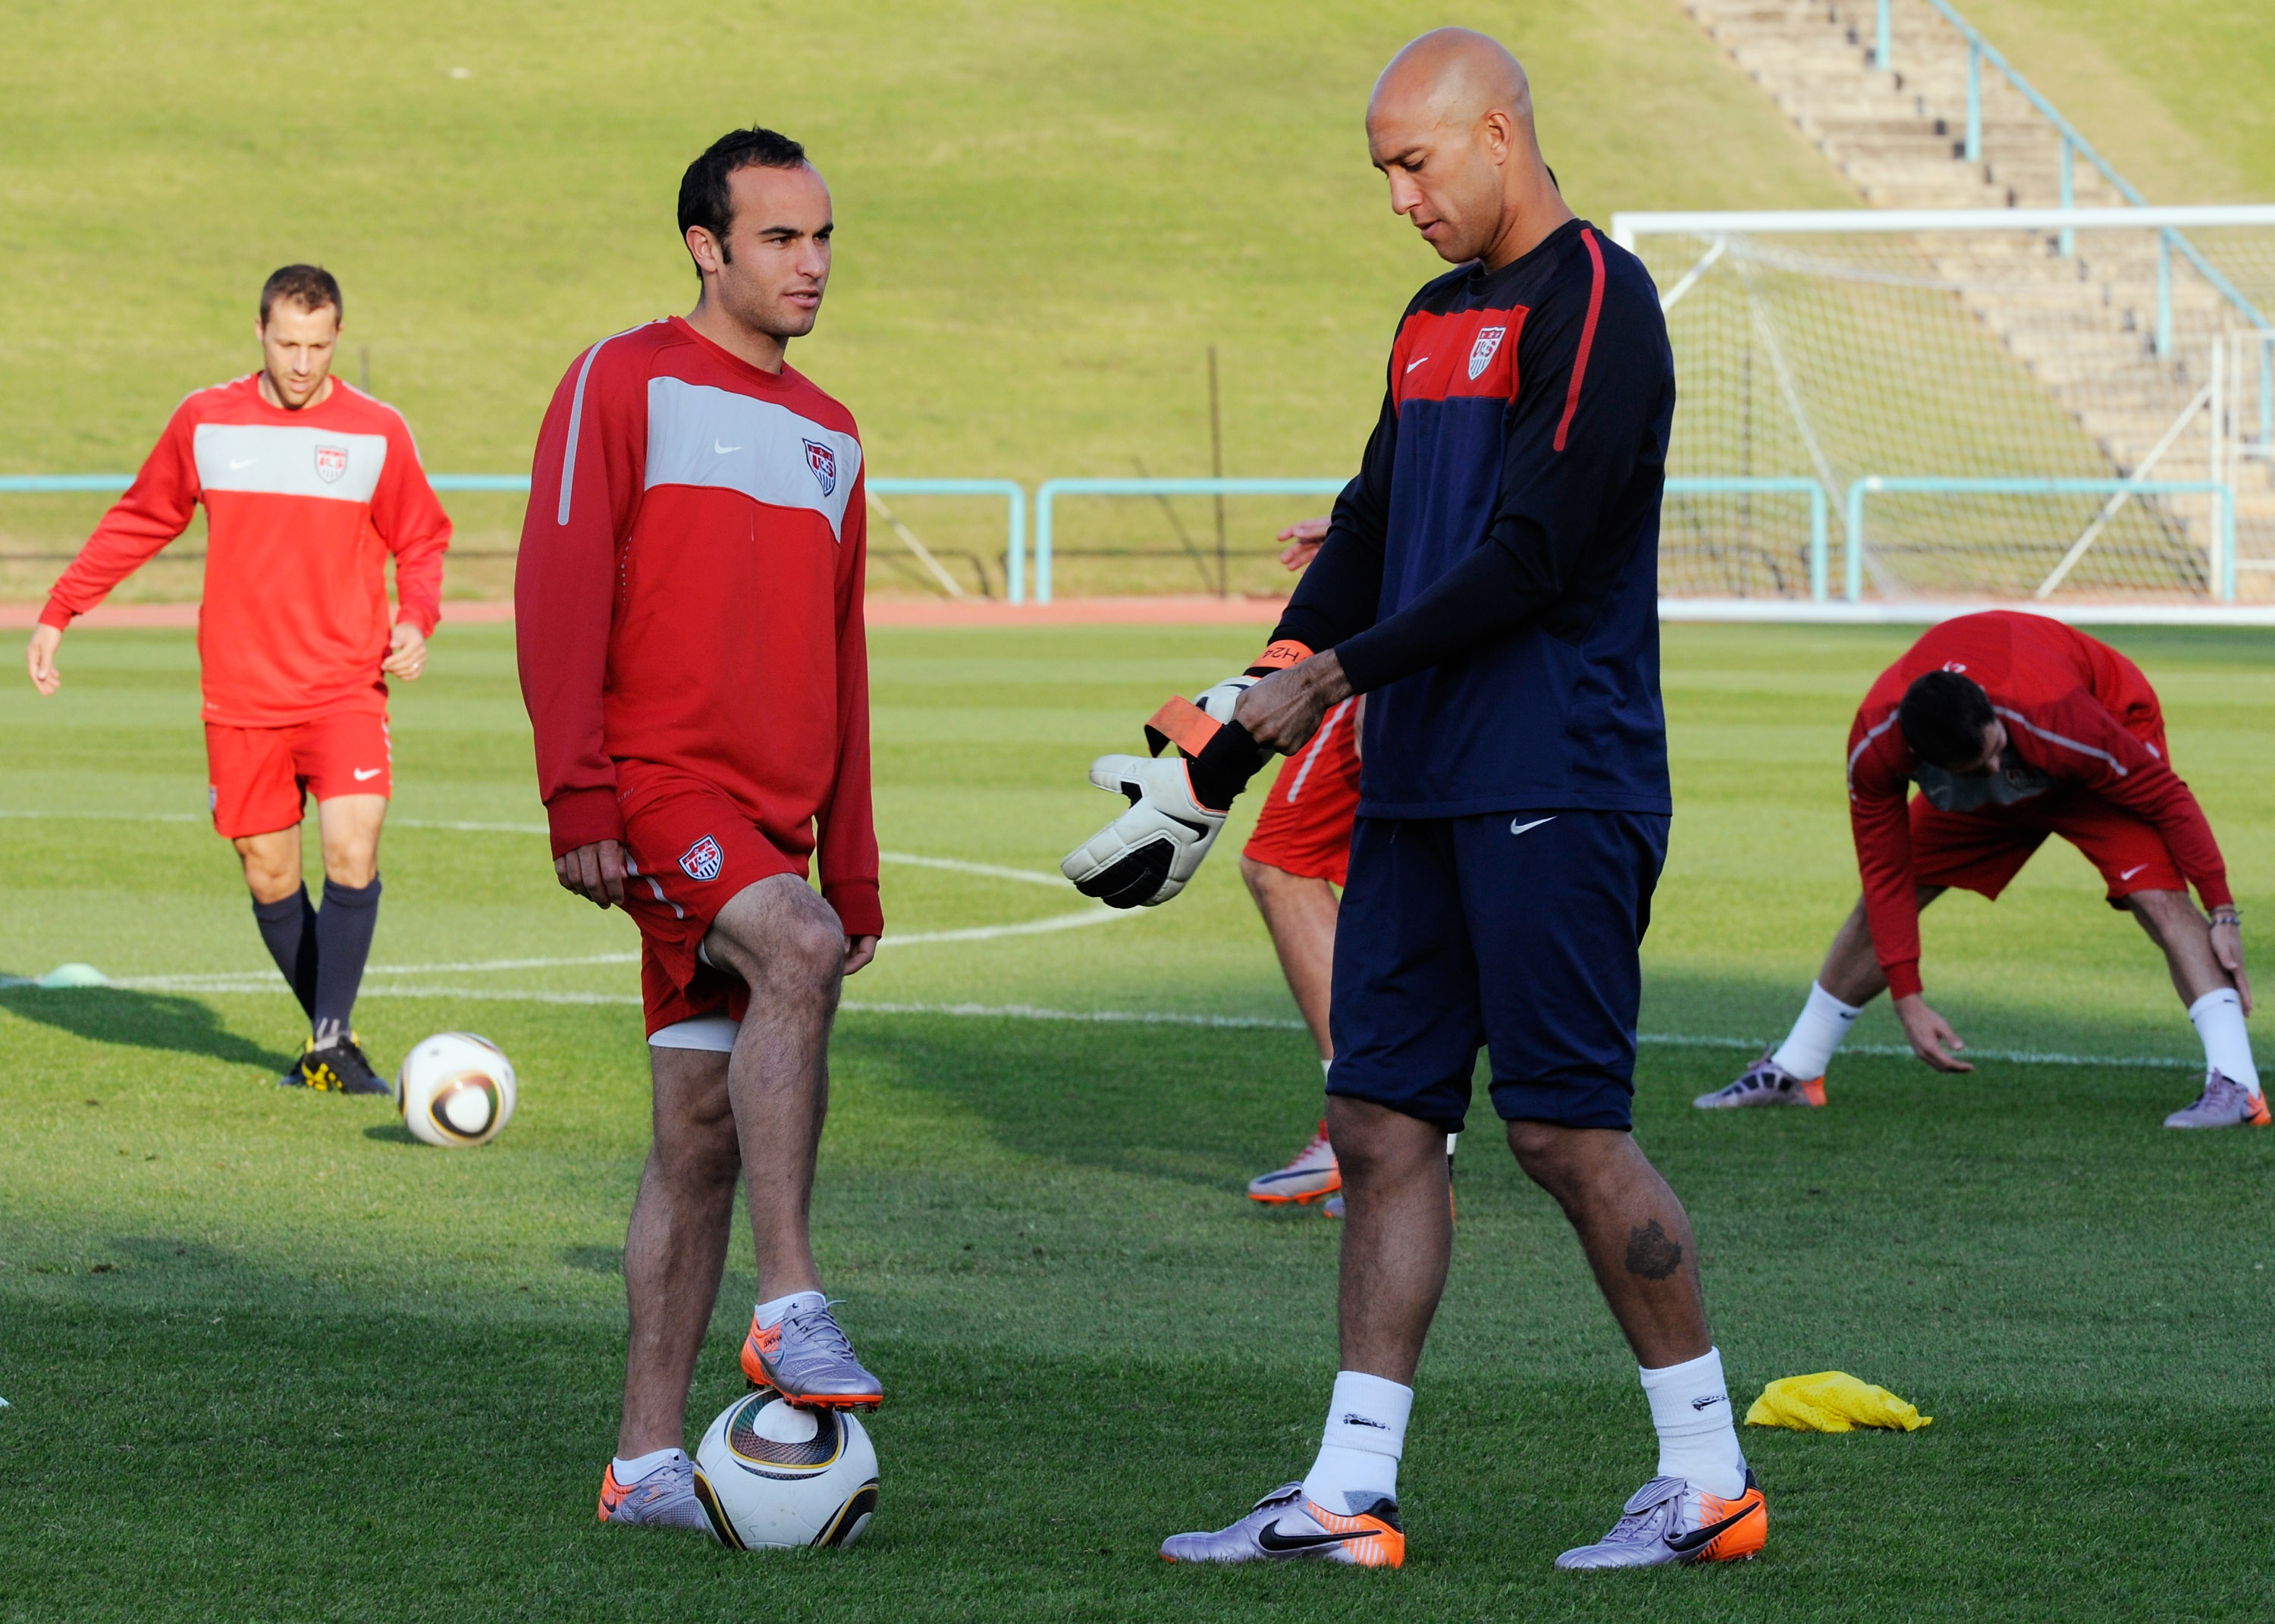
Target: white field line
x,y
1121,1017
991,870
268,980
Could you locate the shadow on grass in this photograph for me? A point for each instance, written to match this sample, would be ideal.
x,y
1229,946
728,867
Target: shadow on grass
x,y
164,1020
391,1133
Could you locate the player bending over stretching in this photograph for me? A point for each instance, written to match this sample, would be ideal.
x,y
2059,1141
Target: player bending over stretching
x,y
689,616
2015,726
1294,861
308,487
1490,583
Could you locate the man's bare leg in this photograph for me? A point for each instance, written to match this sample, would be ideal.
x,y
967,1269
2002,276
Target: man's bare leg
x,y
788,946
676,1249
1634,1233
1851,972
1398,1235
2174,924
1300,912
2205,957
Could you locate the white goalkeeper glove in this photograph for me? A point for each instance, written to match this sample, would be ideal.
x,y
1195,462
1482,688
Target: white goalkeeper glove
x,y
1146,855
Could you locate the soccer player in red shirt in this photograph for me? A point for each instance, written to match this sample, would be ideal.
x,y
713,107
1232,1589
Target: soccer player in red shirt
x,y
2016,727
1294,861
688,606
309,487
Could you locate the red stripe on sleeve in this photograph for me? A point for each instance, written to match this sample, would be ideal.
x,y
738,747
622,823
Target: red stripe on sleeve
x,y
1587,336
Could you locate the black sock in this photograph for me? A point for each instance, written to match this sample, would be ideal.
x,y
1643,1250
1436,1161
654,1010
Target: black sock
x,y
289,927
1224,766
343,943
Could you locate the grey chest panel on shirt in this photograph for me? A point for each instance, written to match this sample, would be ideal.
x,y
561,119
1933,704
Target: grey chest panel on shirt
x,y
1953,792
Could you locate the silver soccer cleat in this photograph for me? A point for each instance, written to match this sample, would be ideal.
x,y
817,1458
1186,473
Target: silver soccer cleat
x,y
1285,1527
806,1358
2225,1103
1765,1083
663,1499
1668,1521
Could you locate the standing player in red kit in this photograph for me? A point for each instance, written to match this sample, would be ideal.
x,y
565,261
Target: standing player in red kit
x,y
1296,861
689,614
309,487
2016,727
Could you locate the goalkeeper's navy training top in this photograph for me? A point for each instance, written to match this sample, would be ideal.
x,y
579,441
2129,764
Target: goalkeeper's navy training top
x,y
1490,576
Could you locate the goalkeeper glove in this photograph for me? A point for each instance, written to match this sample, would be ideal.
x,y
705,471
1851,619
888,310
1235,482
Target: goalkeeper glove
x,y
1146,855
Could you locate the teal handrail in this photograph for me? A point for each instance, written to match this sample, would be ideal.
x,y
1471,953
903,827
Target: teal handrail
x,y
2224,585
1819,512
1977,49
1047,496
1014,495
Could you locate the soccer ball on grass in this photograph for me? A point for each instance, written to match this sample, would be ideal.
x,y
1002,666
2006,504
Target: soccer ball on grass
x,y
775,1477
454,1088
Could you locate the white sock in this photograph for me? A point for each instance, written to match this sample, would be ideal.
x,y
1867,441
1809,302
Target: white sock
x,y
1697,1438
2218,1020
771,1313
641,1466
1824,1021
1366,1434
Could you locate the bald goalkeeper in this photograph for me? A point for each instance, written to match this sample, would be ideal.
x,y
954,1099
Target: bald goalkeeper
x,y
1489,580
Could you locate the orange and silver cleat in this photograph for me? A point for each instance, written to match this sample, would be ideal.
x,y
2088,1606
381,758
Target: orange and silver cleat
x,y
1765,1083
663,1499
1668,1519
1287,1527
2225,1103
806,1358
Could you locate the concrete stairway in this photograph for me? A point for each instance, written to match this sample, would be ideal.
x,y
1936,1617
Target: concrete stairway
x,y
2084,325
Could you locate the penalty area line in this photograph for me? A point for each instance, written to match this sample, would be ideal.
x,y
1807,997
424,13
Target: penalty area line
x,y
1099,1017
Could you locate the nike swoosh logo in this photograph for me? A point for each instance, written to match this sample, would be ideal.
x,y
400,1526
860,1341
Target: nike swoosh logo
x,y
723,449
365,774
1713,1530
1704,1403
2129,872
1416,361
1272,1539
1514,827
235,464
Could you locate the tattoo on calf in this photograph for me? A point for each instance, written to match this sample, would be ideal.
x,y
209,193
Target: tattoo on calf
x,y
1651,1253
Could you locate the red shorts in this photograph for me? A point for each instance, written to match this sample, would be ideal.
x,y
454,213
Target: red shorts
x,y
1305,827
691,852
1982,850
257,779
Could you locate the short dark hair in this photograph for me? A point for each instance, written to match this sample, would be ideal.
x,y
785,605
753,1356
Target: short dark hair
x,y
705,199
311,287
1943,715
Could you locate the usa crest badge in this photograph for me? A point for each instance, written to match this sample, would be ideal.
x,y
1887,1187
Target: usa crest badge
x,y
331,463
702,861
823,461
1487,346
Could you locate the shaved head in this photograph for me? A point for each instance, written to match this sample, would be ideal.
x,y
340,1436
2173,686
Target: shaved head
x,y
1454,76
1450,122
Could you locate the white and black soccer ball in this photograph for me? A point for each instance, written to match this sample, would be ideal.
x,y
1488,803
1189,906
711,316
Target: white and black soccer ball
x,y
772,1477
454,1088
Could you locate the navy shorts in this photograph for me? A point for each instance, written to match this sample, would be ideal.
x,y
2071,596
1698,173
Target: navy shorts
x,y
1518,933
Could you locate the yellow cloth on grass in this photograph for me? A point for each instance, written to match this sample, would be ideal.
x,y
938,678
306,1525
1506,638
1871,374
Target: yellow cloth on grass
x,y
1832,1401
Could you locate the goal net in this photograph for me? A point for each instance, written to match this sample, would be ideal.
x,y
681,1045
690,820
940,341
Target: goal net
x,y
2066,407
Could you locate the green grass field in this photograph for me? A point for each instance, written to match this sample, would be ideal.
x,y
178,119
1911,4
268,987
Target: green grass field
x,y
268,1358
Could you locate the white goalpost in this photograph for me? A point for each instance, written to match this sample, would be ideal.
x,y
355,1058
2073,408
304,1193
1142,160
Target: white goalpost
x,y
1896,414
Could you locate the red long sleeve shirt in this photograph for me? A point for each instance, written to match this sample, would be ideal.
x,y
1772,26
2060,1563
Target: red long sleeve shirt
x,y
302,509
689,595
2077,712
